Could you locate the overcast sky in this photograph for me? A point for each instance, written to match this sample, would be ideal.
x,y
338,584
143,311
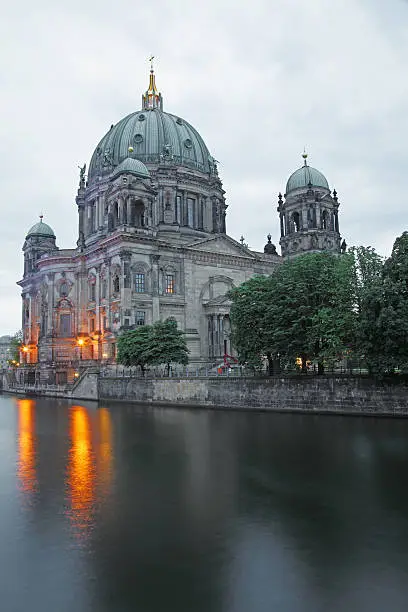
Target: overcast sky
x,y
259,80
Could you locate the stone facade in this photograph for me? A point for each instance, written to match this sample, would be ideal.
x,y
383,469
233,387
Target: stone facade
x,y
5,351
152,244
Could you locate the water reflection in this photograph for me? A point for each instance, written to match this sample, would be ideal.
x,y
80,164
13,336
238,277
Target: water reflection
x,y
104,451
26,469
90,460
81,469
203,511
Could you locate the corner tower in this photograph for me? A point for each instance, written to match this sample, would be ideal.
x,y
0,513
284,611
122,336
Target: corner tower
x,y
308,213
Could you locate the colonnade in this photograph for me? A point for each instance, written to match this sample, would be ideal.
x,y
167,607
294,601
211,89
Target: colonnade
x,y
219,342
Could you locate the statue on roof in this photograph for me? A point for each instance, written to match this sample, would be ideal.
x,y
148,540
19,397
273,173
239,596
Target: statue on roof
x,y
82,170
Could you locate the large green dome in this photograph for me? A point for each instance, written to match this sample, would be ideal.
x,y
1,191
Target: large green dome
x,y
151,135
305,176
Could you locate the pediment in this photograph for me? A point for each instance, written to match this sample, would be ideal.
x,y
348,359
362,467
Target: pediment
x,y
223,245
220,300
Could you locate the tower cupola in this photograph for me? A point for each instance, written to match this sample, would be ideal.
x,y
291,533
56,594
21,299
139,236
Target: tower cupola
x,y
308,213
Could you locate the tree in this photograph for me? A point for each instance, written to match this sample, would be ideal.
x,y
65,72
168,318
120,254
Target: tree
x,y
16,343
310,311
249,334
382,307
304,310
153,344
167,344
133,347
369,302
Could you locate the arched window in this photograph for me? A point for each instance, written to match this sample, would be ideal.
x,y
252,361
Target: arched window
x,y
325,216
64,289
115,284
296,221
169,283
116,214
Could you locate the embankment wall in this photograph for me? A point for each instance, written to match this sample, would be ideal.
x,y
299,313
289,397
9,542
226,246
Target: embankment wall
x,y
341,395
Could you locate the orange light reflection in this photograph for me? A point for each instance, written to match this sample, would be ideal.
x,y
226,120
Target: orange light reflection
x,y
26,470
81,469
105,456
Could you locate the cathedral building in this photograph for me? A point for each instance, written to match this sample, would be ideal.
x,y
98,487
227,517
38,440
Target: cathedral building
x,y
152,244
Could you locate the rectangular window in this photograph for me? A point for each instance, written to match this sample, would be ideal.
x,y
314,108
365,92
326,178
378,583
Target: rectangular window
x,y
65,325
127,322
139,283
92,325
105,323
92,292
170,284
190,212
103,288
126,273
140,317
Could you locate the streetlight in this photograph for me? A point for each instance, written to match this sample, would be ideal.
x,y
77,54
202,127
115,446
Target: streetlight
x,y
24,351
80,343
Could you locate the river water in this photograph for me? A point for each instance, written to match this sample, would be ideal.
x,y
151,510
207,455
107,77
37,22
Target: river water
x,y
121,508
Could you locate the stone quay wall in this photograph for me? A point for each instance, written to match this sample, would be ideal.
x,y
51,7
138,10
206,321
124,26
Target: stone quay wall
x,y
334,395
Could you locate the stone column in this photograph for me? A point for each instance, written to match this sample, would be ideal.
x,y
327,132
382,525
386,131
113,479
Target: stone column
x,y
184,215
50,282
210,327
129,210
161,205
99,204
303,218
155,280
107,263
336,222
318,219
121,206
97,296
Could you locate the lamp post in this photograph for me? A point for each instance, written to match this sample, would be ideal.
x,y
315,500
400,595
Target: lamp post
x,y
80,343
24,350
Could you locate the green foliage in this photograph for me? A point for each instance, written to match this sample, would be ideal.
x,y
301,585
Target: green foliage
x,y
133,347
382,330
249,332
167,344
305,309
311,309
16,343
160,343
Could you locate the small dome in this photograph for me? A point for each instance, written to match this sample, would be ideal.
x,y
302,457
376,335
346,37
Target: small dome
x,y
270,248
132,166
305,176
41,229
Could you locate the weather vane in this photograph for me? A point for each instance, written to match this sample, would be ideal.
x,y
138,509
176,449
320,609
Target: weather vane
x,y
151,58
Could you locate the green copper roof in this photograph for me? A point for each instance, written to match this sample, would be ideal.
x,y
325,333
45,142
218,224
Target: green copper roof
x,y
41,229
151,136
304,176
132,166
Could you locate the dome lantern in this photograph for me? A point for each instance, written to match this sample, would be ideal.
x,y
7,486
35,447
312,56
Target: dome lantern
x,y
152,98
